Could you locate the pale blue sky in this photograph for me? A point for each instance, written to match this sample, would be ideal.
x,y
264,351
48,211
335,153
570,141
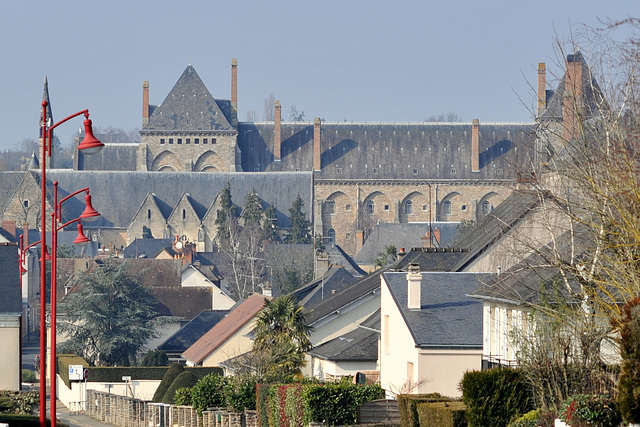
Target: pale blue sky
x,y
351,59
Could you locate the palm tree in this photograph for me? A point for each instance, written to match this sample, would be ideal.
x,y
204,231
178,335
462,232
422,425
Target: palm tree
x,y
282,336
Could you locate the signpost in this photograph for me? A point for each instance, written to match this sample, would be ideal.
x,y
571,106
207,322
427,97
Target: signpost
x,y
76,372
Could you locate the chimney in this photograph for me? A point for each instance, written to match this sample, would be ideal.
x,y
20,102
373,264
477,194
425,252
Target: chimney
x,y
9,227
572,97
414,282
145,103
317,163
436,236
234,84
402,253
475,145
25,234
359,240
277,136
542,88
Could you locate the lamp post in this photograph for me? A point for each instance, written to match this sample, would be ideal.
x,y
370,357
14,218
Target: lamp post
x,y
89,145
81,239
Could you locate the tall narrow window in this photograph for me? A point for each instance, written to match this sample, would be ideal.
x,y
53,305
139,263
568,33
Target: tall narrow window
x,y
148,213
447,207
486,207
370,206
408,207
184,213
332,236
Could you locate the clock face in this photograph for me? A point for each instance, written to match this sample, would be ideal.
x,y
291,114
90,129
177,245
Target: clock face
x,y
179,245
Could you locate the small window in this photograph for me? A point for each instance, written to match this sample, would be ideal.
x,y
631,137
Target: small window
x,y
204,140
331,207
338,170
463,207
347,207
196,140
425,207
332,236
447,207
25,203
453,171
161,140
487,207
148,213
376,170
184,213
179,140
170,140
386,207
408,207
187,141
347,236
213,140
370,207
415,171
256,169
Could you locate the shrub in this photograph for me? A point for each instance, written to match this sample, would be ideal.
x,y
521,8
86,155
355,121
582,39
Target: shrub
x,y
173,372
28,376
183,396
184,380
240,393
584,410
442,414
337,404
408,406
209,393
495,397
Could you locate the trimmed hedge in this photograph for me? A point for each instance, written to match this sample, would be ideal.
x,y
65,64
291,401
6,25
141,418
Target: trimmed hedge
x,y
185,380
170,375
209,393
442,414
408,406
495,397
337,404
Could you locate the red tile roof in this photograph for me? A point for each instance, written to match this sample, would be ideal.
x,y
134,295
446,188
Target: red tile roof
x,y
225,329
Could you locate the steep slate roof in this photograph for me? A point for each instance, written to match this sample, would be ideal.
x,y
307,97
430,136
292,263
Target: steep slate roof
x,y
493,226
448,318
118,195
356,345
339,257
225,329
405,235
396,150
193,331
10,298
189,106
367,285
113,156
334,279
431,259
9,182
146,248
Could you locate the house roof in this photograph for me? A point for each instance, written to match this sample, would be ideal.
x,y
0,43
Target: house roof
x,y
190,106
339,257
431,259
225,329
405,235
356,345
145,248
10,298
448,318
333,280
192,331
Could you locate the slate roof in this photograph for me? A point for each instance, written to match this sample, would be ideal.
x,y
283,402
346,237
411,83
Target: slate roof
x,y
10,297
339,257
432,259
225,329
448,318
192,331
146,248
405,235
367,285
113,156
333,280
118,195
9,182
356,345
190,106
389,150
493,226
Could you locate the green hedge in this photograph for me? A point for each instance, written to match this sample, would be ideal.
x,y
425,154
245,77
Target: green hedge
x,y
170,375
442,414
495,397
19,402
26,421
337,404
184,380
408,406
590,410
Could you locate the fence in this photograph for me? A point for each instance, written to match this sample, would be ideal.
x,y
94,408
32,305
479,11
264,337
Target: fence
x,y
125,411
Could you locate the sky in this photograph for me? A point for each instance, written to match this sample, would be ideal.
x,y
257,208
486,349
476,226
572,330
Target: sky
x,y
352,60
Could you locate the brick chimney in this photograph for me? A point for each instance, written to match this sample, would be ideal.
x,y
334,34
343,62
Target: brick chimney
x,y
9,227
317,163
542,88
277,135
571,102
234,83
475,145
25,234
145,103
414,283
359,240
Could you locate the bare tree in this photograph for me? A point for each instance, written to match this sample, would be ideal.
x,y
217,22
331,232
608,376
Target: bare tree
x,y
269,108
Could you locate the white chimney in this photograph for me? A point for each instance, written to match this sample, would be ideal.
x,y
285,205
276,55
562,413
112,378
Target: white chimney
x,y
414,282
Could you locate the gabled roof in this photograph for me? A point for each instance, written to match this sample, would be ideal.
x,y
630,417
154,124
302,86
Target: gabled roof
x,y
333,280
225,329
339,257
145,248
448,318
193,331
356,345
493,226
189,107
187,202
432,259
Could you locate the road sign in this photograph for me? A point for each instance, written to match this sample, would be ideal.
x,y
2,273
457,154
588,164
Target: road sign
x,y
75,372
86,374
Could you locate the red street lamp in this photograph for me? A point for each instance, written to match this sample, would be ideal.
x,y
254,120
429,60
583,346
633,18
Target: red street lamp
x,y
89,145
81,239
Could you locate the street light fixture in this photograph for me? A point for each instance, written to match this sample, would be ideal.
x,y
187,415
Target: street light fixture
x,y
89,145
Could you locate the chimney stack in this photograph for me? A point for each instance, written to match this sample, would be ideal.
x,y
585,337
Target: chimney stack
x,y
414,282
317,163
571,101
277,135
145,103
25,234
475,145
542,88
234,83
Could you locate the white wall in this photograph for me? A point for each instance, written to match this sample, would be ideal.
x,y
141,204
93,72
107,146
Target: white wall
x,y
142,389
10,352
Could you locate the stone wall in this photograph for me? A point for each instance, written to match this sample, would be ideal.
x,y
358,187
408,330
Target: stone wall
x,y
129,412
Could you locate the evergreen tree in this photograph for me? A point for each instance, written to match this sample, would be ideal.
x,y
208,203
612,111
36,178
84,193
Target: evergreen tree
x,y
227,212
253,212
300,226
110,318
270,225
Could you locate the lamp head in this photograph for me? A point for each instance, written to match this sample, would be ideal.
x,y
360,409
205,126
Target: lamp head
x,y
90,144
81,239
47,257
22,269
89,212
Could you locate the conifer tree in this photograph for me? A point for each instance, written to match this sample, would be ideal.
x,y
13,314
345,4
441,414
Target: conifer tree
x,y
300,226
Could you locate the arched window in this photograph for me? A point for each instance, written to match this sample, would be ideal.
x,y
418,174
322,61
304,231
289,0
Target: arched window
x,y
331,207
447,207
370,206
486,207
332,235
408,207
